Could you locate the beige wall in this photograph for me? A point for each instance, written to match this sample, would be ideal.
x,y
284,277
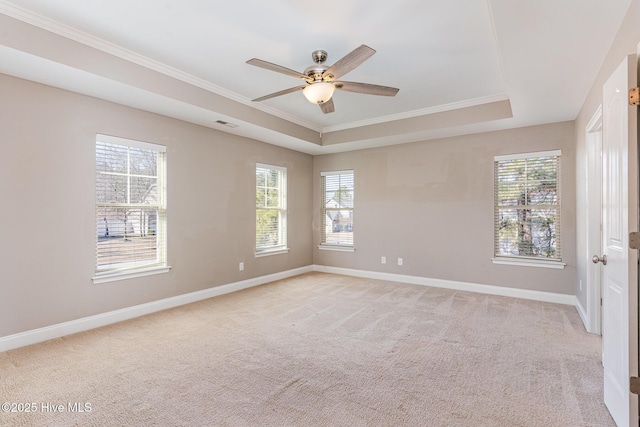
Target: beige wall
x,y
47,162
625,43
431,203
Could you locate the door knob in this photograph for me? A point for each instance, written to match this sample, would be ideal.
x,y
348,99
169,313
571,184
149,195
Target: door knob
x,y
596,259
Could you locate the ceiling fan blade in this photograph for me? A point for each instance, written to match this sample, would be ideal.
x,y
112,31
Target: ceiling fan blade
x,y
349,61
274,67
327,107
366,88
282,92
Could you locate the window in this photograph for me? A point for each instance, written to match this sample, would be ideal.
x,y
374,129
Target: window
x,y
527,206
130,206
337,209
271,209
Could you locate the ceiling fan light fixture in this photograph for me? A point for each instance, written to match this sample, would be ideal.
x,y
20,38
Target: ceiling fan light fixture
x,y
318,93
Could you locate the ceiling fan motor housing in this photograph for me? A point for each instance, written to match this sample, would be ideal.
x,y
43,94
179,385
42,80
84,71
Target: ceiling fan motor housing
x,y
314,72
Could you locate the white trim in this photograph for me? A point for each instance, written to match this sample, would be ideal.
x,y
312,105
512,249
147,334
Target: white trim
x,y
418,113
108,139
282,208
336,248
107,277
74,34
46,333
519,156
79,325
529,263
455,285
593,223
271,252
331,173
595,124
583,315
87,39
274,167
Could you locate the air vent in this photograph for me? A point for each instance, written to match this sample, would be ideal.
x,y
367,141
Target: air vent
x,y
227,124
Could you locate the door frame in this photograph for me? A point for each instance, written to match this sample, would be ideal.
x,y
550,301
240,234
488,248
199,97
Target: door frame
x,y
594,222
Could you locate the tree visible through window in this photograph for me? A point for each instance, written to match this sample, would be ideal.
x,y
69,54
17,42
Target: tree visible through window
x,y
337,208
130,204
527,205
271,208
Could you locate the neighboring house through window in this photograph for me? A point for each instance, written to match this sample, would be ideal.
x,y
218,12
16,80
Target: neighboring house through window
x,y
130,207
271,209
527,207
337,210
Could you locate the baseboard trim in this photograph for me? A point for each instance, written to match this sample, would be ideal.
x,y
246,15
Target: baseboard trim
x,y
451,284
46,333
583,315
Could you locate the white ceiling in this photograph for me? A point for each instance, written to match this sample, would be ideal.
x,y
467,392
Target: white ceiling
x,y
459,64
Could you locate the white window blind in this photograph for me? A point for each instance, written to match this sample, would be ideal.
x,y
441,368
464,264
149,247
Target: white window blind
x,y
527,206
271,208
130,205
337,208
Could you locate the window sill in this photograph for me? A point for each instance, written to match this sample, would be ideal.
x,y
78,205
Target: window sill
x,y
336,248
129,274
529,263
272,252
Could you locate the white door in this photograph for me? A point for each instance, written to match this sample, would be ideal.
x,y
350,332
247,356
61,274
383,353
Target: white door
x,y
620,216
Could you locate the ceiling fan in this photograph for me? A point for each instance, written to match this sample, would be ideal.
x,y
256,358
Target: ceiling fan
x,y
320,79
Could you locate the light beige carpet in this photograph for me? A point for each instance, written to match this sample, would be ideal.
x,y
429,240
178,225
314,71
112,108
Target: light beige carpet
x,y
320,350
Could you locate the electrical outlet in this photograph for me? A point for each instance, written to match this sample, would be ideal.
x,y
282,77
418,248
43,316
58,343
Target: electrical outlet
x,y
400,261
241,266
383,260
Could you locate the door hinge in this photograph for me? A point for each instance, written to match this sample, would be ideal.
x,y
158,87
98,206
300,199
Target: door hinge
x,y
634,240
634,385
634,96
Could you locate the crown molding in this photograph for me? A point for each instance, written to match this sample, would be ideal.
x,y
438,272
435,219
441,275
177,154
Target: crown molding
x,y
416,113
53,26
87,39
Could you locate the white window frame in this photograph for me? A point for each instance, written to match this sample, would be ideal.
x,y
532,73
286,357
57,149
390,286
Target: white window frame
x,y
521,260
109,272
345,247
280,246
